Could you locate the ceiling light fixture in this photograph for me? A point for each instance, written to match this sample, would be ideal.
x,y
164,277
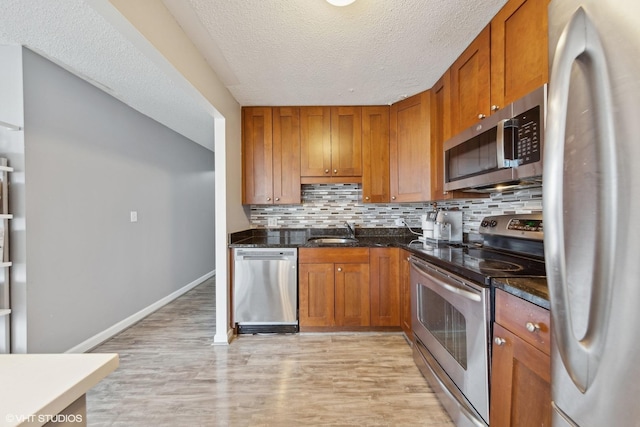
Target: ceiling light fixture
x,y
341,2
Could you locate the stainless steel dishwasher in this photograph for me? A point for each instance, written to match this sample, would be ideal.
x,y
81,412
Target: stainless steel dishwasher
x,y
265,290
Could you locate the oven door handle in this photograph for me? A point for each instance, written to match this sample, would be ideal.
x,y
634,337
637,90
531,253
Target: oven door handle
x,y
448,286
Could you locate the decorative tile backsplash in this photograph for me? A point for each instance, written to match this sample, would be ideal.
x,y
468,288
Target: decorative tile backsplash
x,y
330,205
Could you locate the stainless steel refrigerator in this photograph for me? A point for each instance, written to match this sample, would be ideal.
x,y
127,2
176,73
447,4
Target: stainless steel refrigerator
x,y
592,211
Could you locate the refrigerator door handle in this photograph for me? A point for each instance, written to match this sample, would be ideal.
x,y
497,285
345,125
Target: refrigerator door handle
x,y
580,42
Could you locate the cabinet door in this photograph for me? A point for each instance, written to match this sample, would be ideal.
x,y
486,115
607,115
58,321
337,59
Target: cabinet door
x,y
346,141
470,84
352,295
375,154
410,150
286,155
384,265
257,152
520,383
440,132
316,295
519,50
315,142
405,294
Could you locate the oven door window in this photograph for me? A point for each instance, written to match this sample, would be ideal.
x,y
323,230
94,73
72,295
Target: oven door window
x,y
445,322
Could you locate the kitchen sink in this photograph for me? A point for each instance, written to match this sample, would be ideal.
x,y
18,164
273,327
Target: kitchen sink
x,y
332,240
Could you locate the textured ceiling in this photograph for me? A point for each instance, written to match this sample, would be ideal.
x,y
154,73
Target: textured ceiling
x,y
104,51
267,52
303,52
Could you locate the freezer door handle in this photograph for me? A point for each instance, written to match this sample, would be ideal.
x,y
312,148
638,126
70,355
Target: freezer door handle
x,y
579,42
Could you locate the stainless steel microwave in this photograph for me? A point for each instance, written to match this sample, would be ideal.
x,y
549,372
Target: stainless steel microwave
x,y
502,151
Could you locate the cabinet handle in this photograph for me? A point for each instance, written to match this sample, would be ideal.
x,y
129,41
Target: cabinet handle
x,y
339,268
335,171
482,116
393,197
495,107
268,199
277,199
326,171
499,341
532,327
366,198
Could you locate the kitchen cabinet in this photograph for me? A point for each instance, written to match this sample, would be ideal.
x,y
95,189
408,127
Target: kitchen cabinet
x,y
506,61
440,132
521,366
375,154
405,294
384,264
470,83
333,288
331,144
271,155
410,151
519,50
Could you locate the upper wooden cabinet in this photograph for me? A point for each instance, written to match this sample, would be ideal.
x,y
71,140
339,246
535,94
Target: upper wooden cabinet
x,y
271,155
507,60
257,156
470,83
331,142
375,154
519,51
440,132
410,154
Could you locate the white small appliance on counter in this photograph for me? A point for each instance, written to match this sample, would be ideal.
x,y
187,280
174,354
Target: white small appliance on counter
x,y
443,226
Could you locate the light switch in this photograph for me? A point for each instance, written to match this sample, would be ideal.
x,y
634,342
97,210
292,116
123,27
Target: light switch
x,y
134,216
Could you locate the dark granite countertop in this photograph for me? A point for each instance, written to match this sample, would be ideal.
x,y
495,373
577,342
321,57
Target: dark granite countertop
x,y
531,289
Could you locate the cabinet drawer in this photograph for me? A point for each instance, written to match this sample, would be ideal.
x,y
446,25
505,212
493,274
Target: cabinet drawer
x,y
333,255
529,321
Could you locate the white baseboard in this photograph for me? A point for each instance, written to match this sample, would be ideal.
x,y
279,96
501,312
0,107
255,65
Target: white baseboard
x,y
101,337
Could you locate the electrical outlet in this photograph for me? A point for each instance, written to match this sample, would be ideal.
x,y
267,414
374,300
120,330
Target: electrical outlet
x,y
133,216
272,222
399,221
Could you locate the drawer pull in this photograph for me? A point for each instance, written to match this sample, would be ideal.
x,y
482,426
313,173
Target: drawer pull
x,y
499,341
532,327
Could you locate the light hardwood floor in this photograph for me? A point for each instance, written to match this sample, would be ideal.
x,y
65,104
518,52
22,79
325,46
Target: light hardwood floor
x,y
171,375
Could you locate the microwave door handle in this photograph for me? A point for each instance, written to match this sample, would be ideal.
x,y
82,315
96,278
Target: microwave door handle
x,y
502,161
448,286
580,357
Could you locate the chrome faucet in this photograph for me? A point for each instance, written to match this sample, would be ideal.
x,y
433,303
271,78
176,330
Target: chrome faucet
x,y
351,229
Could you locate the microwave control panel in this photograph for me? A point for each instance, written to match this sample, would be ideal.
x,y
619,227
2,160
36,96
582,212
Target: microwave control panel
x,y
527,145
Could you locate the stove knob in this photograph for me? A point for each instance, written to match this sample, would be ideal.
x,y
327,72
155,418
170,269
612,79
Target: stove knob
x,y
484,224
493,223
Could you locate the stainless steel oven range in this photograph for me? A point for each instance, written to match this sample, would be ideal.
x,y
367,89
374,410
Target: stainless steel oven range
x,y
451,304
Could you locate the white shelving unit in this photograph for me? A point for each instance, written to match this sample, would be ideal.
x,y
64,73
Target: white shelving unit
x,y
5,264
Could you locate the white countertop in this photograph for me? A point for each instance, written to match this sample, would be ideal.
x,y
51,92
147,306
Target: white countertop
x,y
45,384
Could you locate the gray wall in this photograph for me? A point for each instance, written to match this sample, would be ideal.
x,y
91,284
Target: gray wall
x,y
89,161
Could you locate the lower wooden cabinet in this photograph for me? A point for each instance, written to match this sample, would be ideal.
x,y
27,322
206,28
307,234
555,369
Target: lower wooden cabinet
x,y
521,365
333,288
349,288
385,286
405,294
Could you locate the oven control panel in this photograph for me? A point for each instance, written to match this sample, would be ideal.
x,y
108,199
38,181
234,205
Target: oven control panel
x,y
526,226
